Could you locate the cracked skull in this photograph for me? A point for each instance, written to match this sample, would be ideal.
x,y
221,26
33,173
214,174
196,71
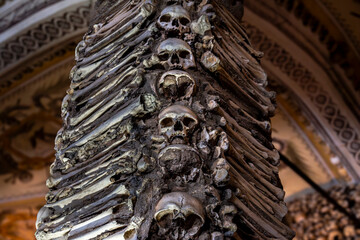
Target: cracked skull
x,y
179,159
177,122
174,19
176,84
174,53
179,214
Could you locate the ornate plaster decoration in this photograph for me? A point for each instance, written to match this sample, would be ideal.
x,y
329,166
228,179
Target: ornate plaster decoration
x,y
19,13
26,142
11,80
314,30
330,111
308,132
40,36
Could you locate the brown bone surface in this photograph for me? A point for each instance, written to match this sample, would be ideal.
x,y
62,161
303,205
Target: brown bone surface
x,y
166,130
312,216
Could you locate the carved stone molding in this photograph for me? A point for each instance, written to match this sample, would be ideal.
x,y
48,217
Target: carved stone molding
x,y
308,31
18,14
324,20
11,79
322,100
44,35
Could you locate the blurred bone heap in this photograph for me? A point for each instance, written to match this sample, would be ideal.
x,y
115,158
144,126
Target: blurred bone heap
x,y
312,217
166,131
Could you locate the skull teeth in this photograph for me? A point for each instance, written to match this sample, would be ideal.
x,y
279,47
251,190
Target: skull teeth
x,y
175,66
177,134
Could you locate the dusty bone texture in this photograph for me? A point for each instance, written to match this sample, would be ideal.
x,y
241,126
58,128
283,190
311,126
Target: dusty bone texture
x,y
166,131
313,217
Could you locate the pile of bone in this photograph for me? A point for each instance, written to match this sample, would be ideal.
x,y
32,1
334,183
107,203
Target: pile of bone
x,y
155,145
313,217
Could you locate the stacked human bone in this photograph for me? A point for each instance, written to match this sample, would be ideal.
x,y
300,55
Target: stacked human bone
x,y
313,217
166,131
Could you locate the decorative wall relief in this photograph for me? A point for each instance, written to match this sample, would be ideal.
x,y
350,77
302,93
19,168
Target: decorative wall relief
x,y
329,110
166,131
29,121
42,35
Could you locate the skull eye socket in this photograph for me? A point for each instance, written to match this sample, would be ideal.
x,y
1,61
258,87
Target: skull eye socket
x,y
169,80
164,56
184,84
185,80
165,221
165,18
166,122
188,122
184,21
191,221
184,54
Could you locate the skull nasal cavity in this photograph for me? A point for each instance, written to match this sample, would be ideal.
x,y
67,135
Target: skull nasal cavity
x,y
178,126
175,23
175,59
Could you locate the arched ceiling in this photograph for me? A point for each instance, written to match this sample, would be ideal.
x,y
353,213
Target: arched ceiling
x,y
329,25
296,58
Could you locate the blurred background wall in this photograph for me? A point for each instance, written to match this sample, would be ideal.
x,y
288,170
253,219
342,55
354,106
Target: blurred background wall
x,y
312,57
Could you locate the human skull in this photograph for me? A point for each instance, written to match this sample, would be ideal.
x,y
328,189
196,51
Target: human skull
x,y
179,159
174,53
179,214
176,84
174,19
177,121
335,234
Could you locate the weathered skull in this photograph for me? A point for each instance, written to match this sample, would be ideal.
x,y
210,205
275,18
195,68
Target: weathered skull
x,y
334,235
177,121
179,215
174,53
174,19
176,84
179,159
220,172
